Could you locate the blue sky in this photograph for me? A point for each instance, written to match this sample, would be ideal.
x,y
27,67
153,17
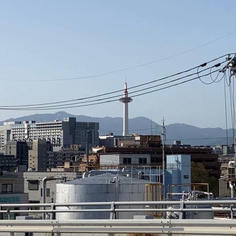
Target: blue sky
x,y
59,39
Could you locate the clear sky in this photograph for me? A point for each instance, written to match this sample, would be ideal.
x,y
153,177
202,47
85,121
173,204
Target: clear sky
x,y
64,39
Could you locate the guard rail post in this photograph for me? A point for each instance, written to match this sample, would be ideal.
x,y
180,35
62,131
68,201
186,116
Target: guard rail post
x,y
182,207
113,211
231,211
53,214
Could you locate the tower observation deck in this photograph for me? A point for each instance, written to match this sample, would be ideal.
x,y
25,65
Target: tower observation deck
x,y
125,100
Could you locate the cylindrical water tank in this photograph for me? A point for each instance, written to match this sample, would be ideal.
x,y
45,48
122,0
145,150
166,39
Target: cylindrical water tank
x,y
100,188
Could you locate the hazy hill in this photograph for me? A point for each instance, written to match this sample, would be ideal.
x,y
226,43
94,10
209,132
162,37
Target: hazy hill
x,y
187,133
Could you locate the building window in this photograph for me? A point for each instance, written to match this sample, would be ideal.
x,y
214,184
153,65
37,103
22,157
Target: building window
x,y
127,161
48,192
7,188
231,172
143,161
227,185
33,184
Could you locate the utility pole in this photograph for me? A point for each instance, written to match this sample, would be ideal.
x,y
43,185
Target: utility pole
x,y
163,156
232,69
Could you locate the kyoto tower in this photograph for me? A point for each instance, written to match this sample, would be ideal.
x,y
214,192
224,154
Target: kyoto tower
x,y
125,100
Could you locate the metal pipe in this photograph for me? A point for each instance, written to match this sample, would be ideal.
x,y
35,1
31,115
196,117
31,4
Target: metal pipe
x,y
231,189
131,203
163,157
124,210
44,185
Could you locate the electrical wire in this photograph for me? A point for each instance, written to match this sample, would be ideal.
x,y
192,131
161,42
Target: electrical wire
x,y
212,80
176,84
218,79
63,103
112,100
133,92
119,90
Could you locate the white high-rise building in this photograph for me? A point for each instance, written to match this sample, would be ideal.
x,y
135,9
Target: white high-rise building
x,y
59,133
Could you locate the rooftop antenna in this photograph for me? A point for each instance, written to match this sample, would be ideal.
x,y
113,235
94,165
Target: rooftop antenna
x,y
163,133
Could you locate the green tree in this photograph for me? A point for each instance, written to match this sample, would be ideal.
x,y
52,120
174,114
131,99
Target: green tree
x,y
200,175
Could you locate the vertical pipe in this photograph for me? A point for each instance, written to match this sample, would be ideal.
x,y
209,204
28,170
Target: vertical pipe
x,y
231,189
44,194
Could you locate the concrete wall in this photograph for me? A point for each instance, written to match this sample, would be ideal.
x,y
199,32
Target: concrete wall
x,y
16,179
118,159
224,190
110,160
36,195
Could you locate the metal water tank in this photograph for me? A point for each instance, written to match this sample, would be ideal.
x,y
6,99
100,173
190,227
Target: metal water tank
x,y
101,188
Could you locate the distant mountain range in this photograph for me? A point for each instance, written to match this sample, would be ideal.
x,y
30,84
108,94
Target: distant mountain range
x,y
188,134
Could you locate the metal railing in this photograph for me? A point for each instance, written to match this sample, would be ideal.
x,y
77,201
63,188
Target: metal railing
x,y
226,206
114,225
167,227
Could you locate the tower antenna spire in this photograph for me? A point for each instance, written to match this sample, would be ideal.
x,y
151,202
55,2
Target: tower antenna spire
x,y
125,100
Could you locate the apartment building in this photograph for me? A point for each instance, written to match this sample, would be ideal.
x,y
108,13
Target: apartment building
x,y
59,133
38,155
19,149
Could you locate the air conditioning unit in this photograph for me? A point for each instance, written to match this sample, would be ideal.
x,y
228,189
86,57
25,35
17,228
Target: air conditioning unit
x,y
231,164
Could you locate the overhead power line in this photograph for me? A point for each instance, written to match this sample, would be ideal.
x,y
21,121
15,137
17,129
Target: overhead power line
x,y
118,96
107,101
121,90
143,89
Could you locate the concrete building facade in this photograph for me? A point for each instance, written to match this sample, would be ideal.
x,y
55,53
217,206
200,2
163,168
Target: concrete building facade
x,y
19,149
12,191
8,162
178,173
124,159
38,155
5,133
72,154
33,184
59,133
